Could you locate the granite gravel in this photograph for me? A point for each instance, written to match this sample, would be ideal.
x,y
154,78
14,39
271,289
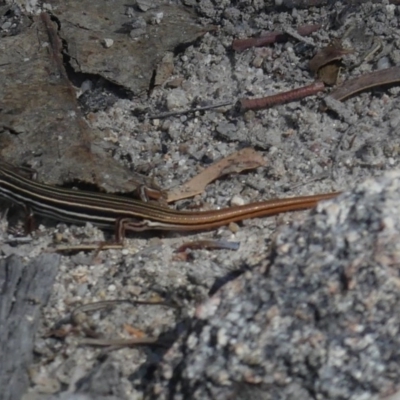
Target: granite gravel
x,y
305,320
317,320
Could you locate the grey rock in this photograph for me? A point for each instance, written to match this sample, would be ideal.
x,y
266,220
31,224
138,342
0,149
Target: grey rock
x,y
317,320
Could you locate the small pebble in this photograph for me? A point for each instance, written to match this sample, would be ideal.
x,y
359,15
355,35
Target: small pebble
x,y
383,63
112,288
177,99
144,5
6,25
157,18
234,227
107,43
237,200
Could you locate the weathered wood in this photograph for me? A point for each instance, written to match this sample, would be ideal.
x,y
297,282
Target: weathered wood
x,y
24,289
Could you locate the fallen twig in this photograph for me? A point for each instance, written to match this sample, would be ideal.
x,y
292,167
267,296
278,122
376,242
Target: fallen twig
x,y
208,244
272,37
281,98
190,110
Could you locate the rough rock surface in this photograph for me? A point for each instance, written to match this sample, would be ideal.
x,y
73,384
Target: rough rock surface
x,y
317,320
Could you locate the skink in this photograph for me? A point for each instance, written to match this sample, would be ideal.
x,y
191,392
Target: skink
x,y
125,214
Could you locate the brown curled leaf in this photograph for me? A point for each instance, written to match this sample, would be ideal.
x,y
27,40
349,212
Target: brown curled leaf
x,y
329,73
382,77
239,161
326,63
333,52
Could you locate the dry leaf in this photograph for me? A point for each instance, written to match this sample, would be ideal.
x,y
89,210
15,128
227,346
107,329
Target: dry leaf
x,y
242,160
326,63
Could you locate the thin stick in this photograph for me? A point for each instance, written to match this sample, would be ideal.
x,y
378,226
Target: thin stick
x,y
281,98
295,34
272,37
191,110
